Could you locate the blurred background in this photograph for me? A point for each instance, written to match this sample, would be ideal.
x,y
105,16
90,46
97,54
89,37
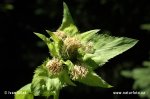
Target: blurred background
x,y
21,51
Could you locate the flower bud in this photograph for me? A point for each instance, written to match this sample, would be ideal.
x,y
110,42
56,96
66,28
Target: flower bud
x,y
71,44
60,34
78,72
89,47
54,66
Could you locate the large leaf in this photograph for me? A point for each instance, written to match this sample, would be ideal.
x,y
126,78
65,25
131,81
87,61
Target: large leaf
x,y
92,79
24,93
68,25
107,47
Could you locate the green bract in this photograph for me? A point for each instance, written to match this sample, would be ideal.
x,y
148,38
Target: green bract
x,y
75,56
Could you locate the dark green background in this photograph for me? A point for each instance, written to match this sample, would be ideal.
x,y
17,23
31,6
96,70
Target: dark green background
x,y
21,51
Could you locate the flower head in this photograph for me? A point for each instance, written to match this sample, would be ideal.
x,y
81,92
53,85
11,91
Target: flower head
x,y
54,66
60,34
88,47
72,44
78,72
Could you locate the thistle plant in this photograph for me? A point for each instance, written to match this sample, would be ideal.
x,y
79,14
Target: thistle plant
x,y
75,56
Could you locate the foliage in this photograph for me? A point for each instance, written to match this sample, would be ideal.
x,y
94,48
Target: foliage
x,y
75,56
141,77
145,27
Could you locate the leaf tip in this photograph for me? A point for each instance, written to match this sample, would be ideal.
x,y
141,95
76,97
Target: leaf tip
x,y
47,31
64,4
35,33
109,86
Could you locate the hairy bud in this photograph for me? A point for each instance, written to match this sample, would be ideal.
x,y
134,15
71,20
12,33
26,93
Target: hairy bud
x,y
72,44
54,66
89,47
60,34
78,72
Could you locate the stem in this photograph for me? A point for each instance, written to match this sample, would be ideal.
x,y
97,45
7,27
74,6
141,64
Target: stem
x,y
47,97
56,96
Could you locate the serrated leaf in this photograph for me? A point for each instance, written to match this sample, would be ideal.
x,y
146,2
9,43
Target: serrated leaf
x,y
107,47
41,71
67,23
38,85
92,79
86,36
24,93
43,85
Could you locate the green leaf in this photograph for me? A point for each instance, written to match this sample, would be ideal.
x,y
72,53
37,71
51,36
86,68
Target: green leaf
x,y
43,84
56,46
92,79
43,37
88,35
68,25
107,47
54,37
24,93
39,87
127,73
69,64
91,63
140,73
53,84
145,27
52,49
146,63
41,71
66,79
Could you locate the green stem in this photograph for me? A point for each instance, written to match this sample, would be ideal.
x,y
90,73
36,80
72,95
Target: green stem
x,y
47,97
56,96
